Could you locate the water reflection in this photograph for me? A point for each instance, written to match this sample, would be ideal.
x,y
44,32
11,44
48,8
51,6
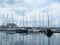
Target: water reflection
x,y
30,39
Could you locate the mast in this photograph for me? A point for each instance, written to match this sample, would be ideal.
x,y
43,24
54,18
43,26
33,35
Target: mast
x,y
12,19
35,20
30,21
43,18
48,18
7,19
23,17
3,19
39,20
48,25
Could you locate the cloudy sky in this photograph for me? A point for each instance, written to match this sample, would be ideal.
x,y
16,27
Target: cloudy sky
x,y
32,10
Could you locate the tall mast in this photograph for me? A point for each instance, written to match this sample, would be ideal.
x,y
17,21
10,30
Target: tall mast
x,y
48,18
30,21
20,23
51,20
48,25
26,21
39,20
35,20
3,19
43,18
12,19
7,19
23,17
